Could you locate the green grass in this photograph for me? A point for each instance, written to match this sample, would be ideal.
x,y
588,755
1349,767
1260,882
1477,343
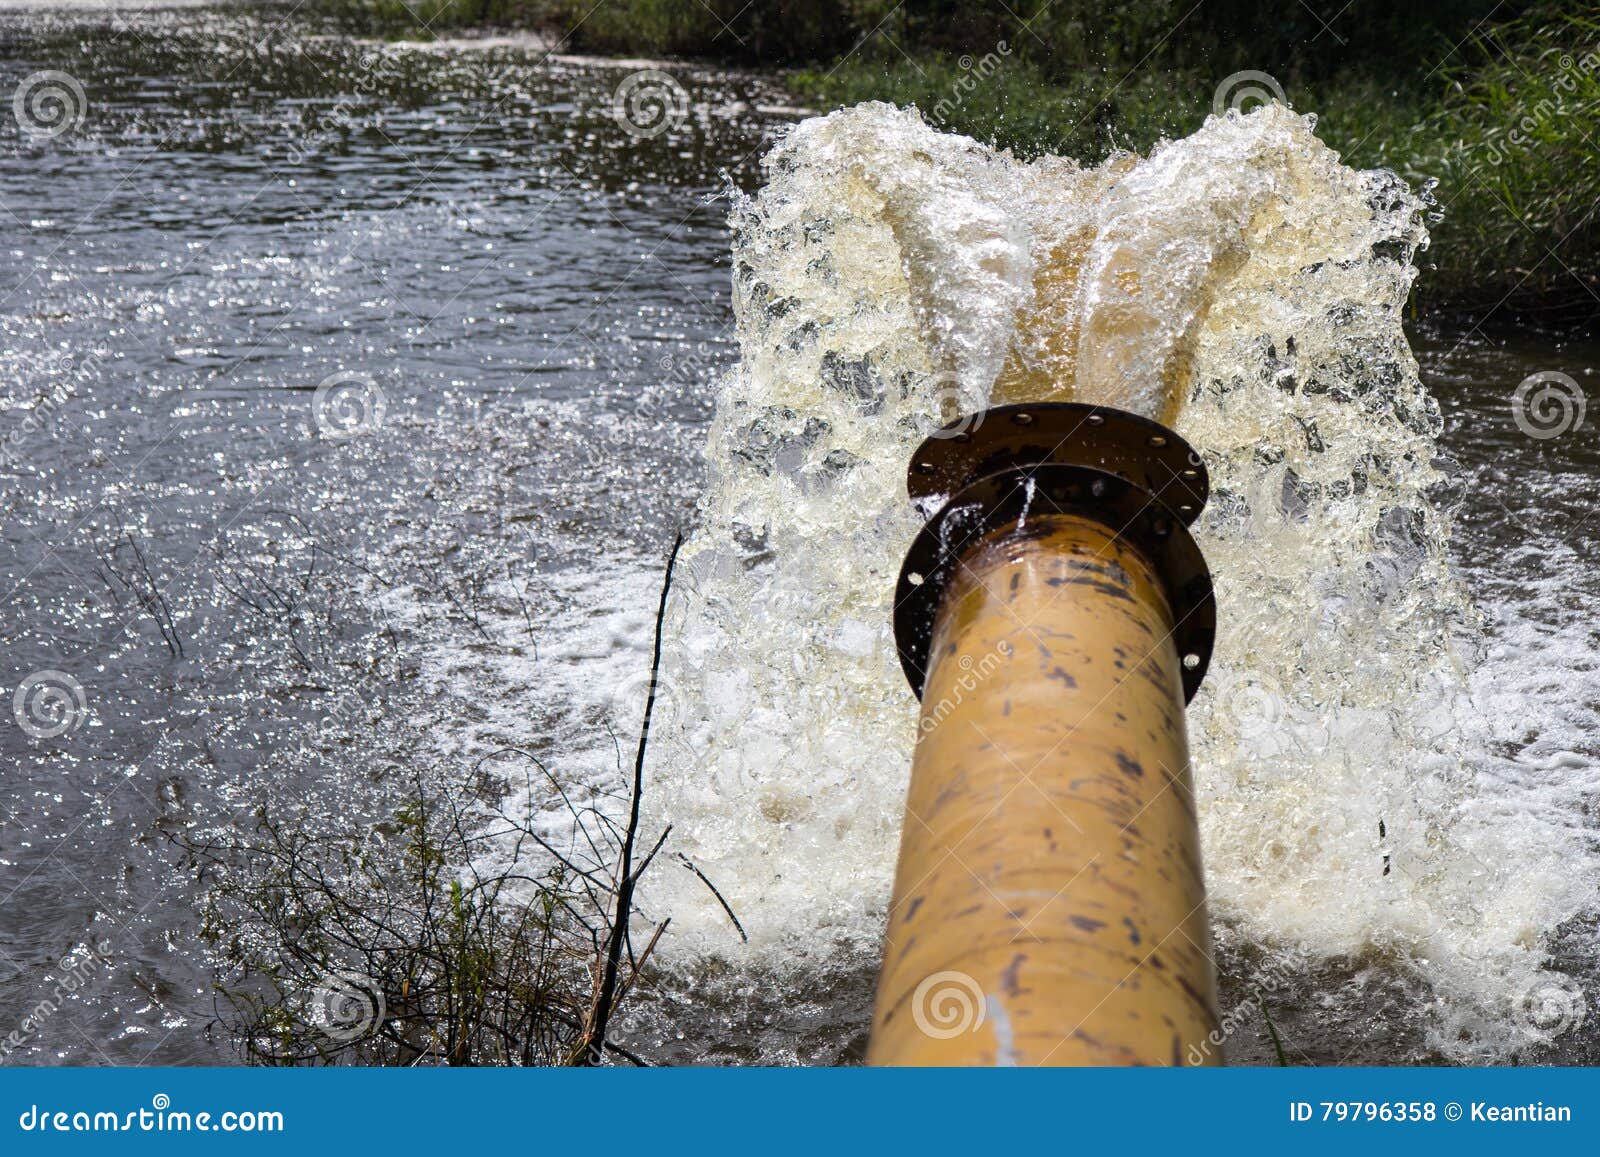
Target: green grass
x,y
1086,117
1516,148
1277,1041
1510,133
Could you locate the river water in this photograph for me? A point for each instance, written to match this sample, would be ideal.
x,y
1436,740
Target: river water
x,y
518,312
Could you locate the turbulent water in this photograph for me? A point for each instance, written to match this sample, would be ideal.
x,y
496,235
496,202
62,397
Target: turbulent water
x,y
1242,283
251,207
1395,747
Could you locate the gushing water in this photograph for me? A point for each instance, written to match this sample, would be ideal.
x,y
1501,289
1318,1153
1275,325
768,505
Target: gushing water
x,y
547,384
1242,284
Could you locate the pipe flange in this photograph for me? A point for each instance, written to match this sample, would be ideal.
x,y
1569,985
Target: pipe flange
x,y
1143,452
1009,498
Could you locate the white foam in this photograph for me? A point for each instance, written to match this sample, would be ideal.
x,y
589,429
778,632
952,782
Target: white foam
x,y
1241,281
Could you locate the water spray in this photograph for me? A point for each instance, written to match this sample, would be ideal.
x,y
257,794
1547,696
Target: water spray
x,y
1054,617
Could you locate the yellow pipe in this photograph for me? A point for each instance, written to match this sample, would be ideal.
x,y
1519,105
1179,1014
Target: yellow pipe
x,y
1048,904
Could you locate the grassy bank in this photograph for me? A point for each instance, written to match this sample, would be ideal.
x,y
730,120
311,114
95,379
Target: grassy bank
x,y
1508,127
1497,102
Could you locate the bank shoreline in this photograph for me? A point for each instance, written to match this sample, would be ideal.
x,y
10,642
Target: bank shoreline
x,y
1500,133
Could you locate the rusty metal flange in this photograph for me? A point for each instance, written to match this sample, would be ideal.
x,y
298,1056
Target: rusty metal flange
x,y
1145,453
1109,482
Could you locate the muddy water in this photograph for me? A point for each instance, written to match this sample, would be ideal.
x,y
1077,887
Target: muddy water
x,y
540,298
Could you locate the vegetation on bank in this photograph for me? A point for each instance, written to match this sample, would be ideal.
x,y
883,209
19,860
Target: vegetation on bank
x,y
1498,102
454,932
1507,125
392,947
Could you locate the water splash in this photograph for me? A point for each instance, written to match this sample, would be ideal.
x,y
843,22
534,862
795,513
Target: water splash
x,y
1244,285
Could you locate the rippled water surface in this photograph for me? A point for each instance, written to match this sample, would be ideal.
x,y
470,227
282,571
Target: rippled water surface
x,y
250,207
246,210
